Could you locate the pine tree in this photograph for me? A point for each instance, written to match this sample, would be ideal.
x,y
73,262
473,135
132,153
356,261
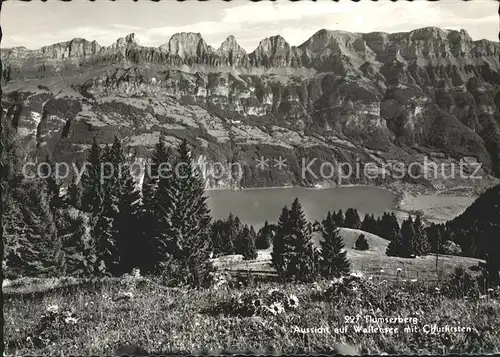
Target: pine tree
x,y
264,237
34,248
78,245
339,218
74,194
393,222
361,243
303,264
334,260
111,239
407,236
153,254
52,183
352,219
187,217
221,244
387,225
282,245
91,181
246,244
421,244
369,224
432,233
395,247
128,225
233,227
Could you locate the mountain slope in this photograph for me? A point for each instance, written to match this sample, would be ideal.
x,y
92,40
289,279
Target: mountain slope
x,y
373,98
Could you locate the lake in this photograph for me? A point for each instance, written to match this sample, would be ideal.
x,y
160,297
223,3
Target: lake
x,y
254,206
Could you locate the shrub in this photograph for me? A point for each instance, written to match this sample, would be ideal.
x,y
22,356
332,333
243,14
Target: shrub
x,y
461,283
451,248
361,243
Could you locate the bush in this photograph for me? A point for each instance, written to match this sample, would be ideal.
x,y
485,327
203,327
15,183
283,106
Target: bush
x,y
461,283
361,243
451,248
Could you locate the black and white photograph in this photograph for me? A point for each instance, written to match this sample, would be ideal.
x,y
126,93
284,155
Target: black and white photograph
x,y
250,177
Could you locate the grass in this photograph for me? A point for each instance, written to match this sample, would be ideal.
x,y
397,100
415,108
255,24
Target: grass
x,y
178,320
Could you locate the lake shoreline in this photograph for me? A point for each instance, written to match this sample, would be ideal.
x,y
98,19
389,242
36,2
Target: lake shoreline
x,y
405,199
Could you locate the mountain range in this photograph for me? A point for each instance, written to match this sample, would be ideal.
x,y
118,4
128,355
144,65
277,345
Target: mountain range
x,y
340,97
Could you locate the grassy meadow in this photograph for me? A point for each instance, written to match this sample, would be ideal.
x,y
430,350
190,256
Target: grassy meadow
x,y
70,316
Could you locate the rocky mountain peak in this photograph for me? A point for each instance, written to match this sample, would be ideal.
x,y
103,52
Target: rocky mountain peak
x,y
427,33
74,49
334,51
186,44
275,52
230,45
127,41
272,45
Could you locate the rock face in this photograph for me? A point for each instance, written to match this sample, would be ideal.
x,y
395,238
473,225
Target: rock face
x,y
373,98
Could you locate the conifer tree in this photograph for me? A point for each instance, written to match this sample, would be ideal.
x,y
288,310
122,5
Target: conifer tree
x,y
187,216
361,243
303,264
339,218
246,244
78,245
334,260
74,194
395,247
128,225
407,235
52,183
36,249
221,243
420,241
91,181
369,224
264,237
153,254
352,219
107,230
393,222
282,245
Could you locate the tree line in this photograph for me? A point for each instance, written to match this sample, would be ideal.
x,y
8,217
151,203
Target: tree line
x,y
108,227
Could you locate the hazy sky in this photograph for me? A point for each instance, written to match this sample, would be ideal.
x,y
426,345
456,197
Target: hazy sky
x,y
35,24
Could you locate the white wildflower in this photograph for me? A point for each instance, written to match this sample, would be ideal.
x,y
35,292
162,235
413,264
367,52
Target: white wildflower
x,y
337,281
276,308
272,291
71,320
53,308
293,301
